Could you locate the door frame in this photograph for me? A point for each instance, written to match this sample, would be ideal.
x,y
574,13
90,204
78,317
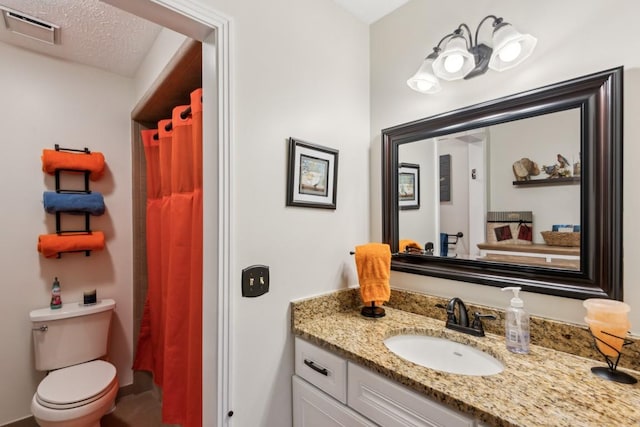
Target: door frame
x,y
204,23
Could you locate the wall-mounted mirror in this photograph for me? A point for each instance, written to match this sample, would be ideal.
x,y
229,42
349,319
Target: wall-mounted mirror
x,y
523,190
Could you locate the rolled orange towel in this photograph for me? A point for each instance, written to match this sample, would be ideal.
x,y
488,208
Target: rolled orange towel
x,y
50,245
92,162
406,243
373,262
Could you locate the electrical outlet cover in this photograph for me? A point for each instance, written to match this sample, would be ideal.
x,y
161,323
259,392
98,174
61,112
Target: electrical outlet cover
x,y
255,281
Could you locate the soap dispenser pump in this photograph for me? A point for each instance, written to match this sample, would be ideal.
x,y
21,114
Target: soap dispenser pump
x,y
56,300
516,325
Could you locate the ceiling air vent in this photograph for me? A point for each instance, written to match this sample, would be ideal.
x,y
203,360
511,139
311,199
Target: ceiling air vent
x,y
31,27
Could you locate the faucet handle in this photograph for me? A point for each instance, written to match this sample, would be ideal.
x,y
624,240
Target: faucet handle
x,y
477,320
477,315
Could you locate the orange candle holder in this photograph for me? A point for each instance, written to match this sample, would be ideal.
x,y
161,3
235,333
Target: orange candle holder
x,y
610,346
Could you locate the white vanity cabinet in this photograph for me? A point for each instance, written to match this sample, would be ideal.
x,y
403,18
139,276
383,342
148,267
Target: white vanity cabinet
x,y
314,408
391,404
329,391
320,390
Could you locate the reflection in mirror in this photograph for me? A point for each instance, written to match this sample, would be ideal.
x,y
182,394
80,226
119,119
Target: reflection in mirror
x,y
524,190
468,174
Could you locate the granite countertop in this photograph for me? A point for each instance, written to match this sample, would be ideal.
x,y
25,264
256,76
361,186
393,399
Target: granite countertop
x,y
546,387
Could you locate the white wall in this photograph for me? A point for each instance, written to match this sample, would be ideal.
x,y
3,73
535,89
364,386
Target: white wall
x,y
303,73
165,46
540,139
574,38
47,101
454,214
300,69
421,224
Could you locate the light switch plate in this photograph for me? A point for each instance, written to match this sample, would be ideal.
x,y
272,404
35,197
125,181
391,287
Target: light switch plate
x,y
255,281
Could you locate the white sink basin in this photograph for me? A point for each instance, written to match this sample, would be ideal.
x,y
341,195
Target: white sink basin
x,y
444,355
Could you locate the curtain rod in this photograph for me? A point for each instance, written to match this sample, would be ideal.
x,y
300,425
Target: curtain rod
x,y
169,126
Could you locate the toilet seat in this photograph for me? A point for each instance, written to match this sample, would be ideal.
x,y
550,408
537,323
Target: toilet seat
x,y
76,385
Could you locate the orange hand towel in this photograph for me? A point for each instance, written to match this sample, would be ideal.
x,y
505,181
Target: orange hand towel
x,y
406,243
373,262
50,245
92,162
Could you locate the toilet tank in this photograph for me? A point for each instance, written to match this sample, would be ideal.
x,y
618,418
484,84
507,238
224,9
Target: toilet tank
x,y
73,334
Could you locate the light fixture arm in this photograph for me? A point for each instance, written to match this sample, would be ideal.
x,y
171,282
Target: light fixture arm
x,y
496,21
437,48
460,31
457,32
466,27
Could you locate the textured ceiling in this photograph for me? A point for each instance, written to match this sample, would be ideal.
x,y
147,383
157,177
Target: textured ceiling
x,y
92,33
99,35
370,11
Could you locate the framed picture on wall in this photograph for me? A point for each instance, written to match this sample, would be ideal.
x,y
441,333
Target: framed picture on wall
x,y
409,186
445,178
312,179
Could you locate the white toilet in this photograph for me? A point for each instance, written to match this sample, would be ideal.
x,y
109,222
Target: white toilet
x,y
79,388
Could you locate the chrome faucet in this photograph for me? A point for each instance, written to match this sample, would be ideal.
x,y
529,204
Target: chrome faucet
x,y
460,322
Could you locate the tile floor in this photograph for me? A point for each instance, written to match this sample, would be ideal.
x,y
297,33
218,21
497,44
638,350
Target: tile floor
x,y
136,410
133,410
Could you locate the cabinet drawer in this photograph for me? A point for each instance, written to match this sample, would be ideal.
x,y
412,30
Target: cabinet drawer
x,y
321,368
313,408
393,405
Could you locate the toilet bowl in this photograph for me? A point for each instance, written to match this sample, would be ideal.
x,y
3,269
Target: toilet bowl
x,y
70,344
76,396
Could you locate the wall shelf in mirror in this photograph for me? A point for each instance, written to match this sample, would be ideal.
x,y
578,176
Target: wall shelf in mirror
x,y
548,181
585,112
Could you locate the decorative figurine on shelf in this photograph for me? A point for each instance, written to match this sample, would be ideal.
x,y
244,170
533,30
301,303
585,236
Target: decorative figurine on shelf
x,y
56,300
563,162
524,169
576,167
552,171
562,169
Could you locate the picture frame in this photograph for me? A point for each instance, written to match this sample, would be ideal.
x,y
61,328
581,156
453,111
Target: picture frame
x,y
408,186
312,178
445,178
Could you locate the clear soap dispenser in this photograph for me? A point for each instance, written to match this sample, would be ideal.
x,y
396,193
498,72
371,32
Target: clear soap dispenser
x,y
516,325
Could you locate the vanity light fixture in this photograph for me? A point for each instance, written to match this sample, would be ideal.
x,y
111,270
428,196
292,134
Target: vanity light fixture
x,y
458,56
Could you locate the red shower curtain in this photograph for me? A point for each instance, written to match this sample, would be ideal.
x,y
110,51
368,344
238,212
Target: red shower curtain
x,y
170,340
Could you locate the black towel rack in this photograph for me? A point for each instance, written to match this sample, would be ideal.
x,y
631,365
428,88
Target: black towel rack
x,y
373,310
84,150
455,237
85,190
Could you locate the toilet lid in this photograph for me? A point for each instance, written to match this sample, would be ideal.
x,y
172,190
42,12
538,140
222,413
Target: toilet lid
x,y
76,383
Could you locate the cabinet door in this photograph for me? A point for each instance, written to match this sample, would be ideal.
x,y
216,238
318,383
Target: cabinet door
x,y
393,405
313,408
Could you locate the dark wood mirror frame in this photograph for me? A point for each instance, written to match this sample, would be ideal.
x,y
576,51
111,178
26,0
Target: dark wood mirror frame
x,y
598,96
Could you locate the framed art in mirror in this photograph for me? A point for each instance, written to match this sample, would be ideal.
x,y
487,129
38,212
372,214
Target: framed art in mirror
x,y
408,186
445,178
592,107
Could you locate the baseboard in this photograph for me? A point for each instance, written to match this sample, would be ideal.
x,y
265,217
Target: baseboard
x,y
25,422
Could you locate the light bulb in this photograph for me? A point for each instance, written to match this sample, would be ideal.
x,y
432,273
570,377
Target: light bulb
x,y
510,52
423,85
453,63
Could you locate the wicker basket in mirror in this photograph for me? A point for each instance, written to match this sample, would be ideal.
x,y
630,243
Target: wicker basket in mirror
x,y
561,238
